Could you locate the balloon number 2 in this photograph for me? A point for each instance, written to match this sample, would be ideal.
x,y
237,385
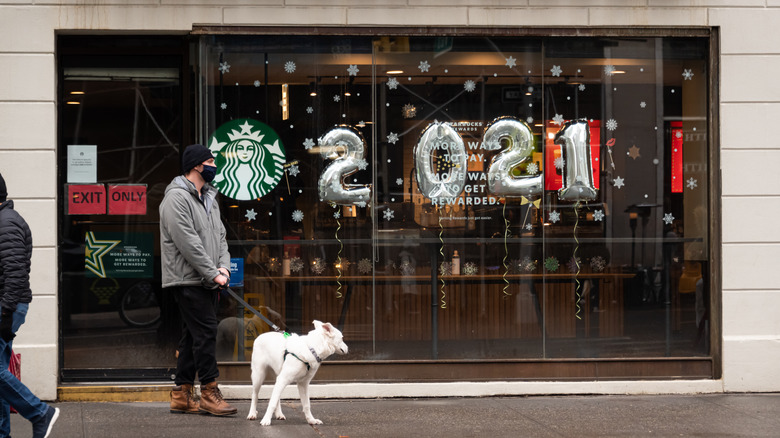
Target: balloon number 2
x,y
519,139
346,147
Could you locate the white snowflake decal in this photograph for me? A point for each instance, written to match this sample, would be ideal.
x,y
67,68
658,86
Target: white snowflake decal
x,y
250,215
257,83
687,74
668,218
392,137
293,170
618,182
555,216
582,87
511,62
399,181
336,98
392,83
289,66
598,215
362,164
361,204
223,105
558,119
388,214
529,227
308,143
309,109
609,70
529,120
558,163
364,266
470,269
336,214
424,66
297,216
598,263
642,104
469,86
532,169
612,124
224,67
556,70
692,183
353,70
317,266
296,264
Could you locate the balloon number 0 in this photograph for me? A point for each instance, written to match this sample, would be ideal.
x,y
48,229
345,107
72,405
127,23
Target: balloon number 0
x,y
440,141
346,147
574,139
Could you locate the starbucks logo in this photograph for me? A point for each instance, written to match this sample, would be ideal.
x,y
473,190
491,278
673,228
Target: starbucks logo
x,y
249,157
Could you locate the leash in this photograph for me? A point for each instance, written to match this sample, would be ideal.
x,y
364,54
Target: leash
x,y
253,310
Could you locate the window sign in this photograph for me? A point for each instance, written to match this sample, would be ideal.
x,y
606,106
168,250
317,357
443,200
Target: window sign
x,y
236,272
82,163
119,255
86,199
127,199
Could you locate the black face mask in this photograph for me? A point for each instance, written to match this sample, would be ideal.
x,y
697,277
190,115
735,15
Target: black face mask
x,y
208,173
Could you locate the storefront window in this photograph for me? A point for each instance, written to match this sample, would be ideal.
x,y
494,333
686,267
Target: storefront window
x,y
465,198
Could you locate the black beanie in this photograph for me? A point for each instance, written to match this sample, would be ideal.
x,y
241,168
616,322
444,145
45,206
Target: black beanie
x,y
194,154
3,189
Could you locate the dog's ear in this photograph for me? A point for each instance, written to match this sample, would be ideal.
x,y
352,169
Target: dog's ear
x,y
328,328
317,324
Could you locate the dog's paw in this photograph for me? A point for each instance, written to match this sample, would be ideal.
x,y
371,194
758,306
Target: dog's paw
x,y
265,422
280,417
314,421
252,416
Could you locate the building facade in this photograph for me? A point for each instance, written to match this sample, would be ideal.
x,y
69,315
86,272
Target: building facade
x,y
487,199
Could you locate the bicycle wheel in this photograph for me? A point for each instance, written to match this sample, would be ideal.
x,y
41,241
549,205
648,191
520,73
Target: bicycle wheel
x,y
138,306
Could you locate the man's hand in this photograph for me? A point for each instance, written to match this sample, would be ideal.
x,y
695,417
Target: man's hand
x,y
224,272
6,325
222,280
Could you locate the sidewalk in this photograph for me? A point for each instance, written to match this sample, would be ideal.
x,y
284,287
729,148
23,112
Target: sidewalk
x,y
750,415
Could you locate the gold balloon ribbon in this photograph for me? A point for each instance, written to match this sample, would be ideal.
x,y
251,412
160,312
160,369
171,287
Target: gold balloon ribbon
x,y
338,258
506,249
526,201
574,257
441,251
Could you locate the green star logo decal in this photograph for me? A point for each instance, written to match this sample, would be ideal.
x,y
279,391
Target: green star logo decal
x,y
94,252
250,159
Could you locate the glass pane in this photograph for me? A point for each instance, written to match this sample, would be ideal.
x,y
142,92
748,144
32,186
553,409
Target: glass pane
x,y
129,113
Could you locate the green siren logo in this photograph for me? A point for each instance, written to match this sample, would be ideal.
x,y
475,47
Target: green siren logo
x,y
249,157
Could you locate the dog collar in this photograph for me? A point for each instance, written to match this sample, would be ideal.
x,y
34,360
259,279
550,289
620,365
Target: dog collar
x,y
315,355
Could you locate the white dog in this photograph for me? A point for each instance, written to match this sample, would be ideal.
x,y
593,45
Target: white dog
x,y
292,358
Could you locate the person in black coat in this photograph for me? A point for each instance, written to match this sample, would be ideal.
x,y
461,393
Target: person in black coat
x,y
15,297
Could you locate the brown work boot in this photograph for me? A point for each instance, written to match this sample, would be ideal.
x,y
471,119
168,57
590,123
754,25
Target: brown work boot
x,y
211,401
182,401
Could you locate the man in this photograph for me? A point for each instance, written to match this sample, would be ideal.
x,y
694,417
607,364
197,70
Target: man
x,y
15,298
195,263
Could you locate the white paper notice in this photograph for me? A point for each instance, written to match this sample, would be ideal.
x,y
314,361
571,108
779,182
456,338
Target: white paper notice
x,y
82,163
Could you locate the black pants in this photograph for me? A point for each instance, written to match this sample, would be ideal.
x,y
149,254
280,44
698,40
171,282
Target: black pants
x,y
198,344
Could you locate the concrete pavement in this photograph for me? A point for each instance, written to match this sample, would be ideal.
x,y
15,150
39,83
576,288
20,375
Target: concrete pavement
x,y
723,415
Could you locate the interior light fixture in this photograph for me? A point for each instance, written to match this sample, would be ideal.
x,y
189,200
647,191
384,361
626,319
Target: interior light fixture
x,y
285,103
76,92
395,72
73,102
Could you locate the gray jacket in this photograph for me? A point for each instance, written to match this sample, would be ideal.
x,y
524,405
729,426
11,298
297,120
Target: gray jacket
x,y
192,236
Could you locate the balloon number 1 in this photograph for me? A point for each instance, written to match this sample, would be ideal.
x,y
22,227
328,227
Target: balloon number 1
x,y
346,147
574,139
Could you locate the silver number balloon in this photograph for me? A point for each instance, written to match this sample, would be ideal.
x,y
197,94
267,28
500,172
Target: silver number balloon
x,y
442,142
574,139
520,141
346,147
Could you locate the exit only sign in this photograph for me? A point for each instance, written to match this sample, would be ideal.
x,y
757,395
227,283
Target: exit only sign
x,y
121,199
